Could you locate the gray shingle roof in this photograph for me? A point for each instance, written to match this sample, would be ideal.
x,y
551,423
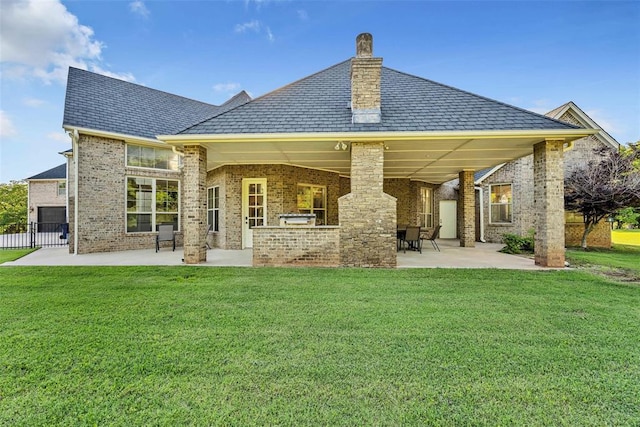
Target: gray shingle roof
x,y
320,103
103,103
59,172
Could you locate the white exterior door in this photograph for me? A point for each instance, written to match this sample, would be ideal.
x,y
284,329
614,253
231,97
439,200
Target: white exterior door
x,y
254,208
448,219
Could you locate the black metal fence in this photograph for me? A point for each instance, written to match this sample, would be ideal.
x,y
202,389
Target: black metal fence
x,y
33,234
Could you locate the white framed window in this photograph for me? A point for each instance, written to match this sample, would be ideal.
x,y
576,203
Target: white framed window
x,y
501,203
426,207
62,188
313,199
141,156
151,202
213,207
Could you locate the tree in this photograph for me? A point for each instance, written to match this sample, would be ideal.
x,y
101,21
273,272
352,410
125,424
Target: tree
x,y
13,202
601,188
627,215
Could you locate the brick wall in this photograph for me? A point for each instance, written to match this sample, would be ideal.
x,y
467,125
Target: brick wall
x,y
296,246
102,197
599,237
282,190
44,193
194,204
466,210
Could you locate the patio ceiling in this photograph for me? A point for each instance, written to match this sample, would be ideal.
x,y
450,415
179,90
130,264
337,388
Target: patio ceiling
x,y
431,158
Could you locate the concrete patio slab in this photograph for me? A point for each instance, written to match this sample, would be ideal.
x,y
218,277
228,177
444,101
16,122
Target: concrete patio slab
x,y
484,255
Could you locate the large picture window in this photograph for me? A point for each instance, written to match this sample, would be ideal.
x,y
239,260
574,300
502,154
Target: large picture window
x,y
501,204
313,199
152,157
151,202
213,208
426,207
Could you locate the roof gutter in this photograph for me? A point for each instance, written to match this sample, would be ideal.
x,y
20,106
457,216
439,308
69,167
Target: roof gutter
x,y
75,136
188,139
114,135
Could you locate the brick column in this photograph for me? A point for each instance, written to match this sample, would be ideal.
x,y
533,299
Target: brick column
x,y
194,204
467,207
548,194
367,215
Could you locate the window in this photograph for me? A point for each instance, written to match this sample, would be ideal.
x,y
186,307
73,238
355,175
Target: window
x,y
313,199
151,202
426,207
151,157
213,207
501,202
62,188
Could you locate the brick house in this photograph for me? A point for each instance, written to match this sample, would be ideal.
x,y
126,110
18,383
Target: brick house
x,y
507,189
361,146
47,196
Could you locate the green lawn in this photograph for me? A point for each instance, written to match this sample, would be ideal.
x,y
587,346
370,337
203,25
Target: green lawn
x,y
624,257
13,254
243,346
626,237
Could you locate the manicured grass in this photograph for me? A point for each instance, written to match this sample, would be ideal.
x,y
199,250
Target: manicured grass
x,y
233,346
626,237
7,255
619,257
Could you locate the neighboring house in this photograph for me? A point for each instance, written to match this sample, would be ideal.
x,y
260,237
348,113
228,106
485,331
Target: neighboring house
x,y
47,199
361,146
507,189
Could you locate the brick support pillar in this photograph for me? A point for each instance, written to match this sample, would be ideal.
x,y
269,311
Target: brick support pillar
x,y
467,206
194,204
367,215
548,194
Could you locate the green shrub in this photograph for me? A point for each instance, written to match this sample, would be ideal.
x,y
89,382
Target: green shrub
x,y
518,244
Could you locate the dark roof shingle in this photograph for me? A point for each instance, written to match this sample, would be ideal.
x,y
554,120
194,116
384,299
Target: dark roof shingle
x,y
103,103
320,103
59,172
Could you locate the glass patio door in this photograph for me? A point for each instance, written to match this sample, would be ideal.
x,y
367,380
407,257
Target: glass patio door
x,y
254,208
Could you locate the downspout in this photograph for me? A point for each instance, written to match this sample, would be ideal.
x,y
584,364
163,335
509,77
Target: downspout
x,y
480,199
74,148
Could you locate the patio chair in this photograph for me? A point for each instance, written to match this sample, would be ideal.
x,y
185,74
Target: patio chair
x,y
206,235
165,234
433,238
412,239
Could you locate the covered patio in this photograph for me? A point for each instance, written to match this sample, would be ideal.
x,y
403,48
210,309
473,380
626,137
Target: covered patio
x,y
483,255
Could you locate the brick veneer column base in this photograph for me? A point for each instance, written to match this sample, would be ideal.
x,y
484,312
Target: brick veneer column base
x,y
467,205
194,204
367,214
548,193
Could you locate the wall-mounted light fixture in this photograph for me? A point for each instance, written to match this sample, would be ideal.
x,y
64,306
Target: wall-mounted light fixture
x,y
341,145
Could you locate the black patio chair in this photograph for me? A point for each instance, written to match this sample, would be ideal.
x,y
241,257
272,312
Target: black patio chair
x,y
433,238
165,234
412,239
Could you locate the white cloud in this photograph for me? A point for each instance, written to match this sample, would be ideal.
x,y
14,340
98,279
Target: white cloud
x,y
255,26
121,76
42,39
33,102
251,25
303,15
138,7
226,87
59,136
6,126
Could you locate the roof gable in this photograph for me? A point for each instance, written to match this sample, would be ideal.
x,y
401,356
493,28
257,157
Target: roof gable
x,y
103,103
321,103
584,120
59,172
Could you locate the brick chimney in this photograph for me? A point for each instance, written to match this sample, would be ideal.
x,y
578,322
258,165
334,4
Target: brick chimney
x,y
365,82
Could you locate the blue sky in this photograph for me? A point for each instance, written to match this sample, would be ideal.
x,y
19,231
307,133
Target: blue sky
x,y
533,54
